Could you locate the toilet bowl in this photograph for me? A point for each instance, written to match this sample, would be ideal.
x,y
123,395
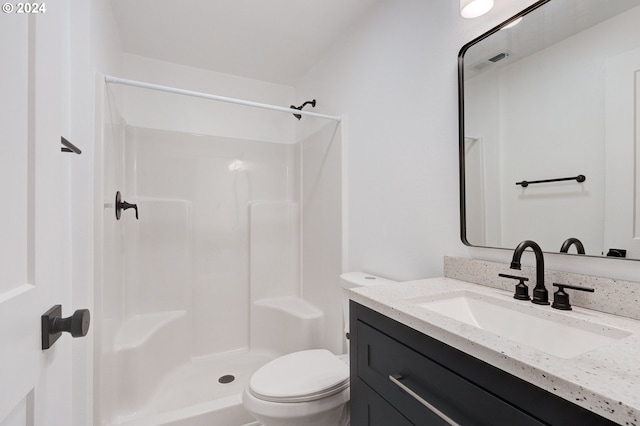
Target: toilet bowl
x,y
302,388
306,388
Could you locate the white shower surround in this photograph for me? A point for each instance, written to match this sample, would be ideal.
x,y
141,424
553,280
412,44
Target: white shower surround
x,y
213,285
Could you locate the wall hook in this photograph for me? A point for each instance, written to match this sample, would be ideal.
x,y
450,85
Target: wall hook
x,y
123,205
68,146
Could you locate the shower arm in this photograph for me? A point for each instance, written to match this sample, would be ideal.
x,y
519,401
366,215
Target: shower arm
x,y
299,108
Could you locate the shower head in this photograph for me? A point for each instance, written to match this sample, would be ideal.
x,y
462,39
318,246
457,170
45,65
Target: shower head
x,y
299,116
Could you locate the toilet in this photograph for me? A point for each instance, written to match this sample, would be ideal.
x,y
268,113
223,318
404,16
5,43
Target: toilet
x,y
306,388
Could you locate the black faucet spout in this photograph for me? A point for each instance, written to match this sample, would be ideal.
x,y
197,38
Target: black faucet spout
x,y
540,293
572,241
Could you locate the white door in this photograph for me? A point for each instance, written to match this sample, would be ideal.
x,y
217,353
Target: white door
x,y
622,190
34,384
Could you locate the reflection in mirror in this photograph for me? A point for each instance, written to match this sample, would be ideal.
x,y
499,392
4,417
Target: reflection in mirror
x,y
552,98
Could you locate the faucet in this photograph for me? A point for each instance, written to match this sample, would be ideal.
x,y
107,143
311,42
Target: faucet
x,y
572,241
540,293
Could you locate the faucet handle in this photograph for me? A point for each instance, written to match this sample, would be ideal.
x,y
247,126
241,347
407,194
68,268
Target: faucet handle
x,y
522,291
120,205
561,298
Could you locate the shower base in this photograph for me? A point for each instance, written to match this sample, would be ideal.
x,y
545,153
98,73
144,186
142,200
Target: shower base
x,y
192,395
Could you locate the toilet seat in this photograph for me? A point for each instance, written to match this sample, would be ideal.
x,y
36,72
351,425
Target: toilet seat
x,y
300,377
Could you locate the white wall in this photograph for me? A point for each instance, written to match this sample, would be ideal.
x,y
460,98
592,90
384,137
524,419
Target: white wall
x,y
573,145
158,110
395,77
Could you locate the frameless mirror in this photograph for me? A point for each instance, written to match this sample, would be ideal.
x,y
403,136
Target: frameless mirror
x,y
550,129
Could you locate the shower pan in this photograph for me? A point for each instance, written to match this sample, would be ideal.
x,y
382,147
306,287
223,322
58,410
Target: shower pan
x,y
207,285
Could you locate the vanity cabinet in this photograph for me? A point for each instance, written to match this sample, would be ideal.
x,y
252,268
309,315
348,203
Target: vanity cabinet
x,y
462,388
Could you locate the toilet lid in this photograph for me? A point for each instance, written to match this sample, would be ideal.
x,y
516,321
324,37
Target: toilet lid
x,y
300,376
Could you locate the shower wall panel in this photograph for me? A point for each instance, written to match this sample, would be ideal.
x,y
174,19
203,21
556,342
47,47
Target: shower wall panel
x,y
274,250
205,185
158,254
321,158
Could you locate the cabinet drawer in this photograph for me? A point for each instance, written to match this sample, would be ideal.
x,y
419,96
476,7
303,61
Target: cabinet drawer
x,y
380,356
369,409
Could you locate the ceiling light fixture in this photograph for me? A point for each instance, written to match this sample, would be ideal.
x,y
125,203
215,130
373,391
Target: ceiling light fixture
x,y
474,8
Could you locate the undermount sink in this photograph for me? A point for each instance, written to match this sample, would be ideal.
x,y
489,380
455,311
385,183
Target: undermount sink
x,y
538,327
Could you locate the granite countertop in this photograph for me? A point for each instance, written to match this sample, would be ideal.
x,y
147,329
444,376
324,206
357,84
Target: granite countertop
x,y
605,380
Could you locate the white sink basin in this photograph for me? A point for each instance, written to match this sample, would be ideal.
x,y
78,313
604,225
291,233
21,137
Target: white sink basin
x,y
522,322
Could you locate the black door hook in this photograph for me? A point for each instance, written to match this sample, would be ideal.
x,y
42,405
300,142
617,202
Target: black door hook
x,y
123,205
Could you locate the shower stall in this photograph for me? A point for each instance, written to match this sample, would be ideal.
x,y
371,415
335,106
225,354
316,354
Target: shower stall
x,y
233,260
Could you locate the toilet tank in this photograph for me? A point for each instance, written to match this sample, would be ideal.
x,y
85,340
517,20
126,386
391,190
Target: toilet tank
x,y
352,280
362,279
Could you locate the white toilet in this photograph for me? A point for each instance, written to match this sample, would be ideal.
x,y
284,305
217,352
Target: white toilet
x,y
309,388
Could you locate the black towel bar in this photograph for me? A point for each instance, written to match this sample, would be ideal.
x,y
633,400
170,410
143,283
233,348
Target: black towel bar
x,y
525,183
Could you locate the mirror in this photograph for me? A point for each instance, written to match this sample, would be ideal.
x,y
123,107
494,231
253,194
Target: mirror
x,y
550,129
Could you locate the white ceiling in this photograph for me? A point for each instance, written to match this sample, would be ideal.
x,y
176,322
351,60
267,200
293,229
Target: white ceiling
x,y
270,40
551,23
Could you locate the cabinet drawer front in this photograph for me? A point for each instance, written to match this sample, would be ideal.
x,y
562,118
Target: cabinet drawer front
x,y
379,356
369,409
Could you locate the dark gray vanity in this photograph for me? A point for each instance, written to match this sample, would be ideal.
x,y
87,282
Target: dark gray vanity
x,y
465,389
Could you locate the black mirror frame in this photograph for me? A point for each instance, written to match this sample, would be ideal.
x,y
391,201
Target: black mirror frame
x,y
463,50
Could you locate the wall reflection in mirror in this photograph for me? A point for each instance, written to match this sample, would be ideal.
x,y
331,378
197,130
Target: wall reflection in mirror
x,y
552,98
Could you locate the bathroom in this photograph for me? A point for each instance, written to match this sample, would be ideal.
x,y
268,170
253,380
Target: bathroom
x,y
388,69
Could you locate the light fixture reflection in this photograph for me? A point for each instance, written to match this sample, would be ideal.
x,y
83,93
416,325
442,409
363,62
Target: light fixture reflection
x,y
237,166
474,8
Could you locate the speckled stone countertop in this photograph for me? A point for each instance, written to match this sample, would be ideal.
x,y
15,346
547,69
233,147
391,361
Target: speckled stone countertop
x,y
605,380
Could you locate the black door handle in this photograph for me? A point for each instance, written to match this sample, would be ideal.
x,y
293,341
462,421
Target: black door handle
x,y
123,205
53,325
